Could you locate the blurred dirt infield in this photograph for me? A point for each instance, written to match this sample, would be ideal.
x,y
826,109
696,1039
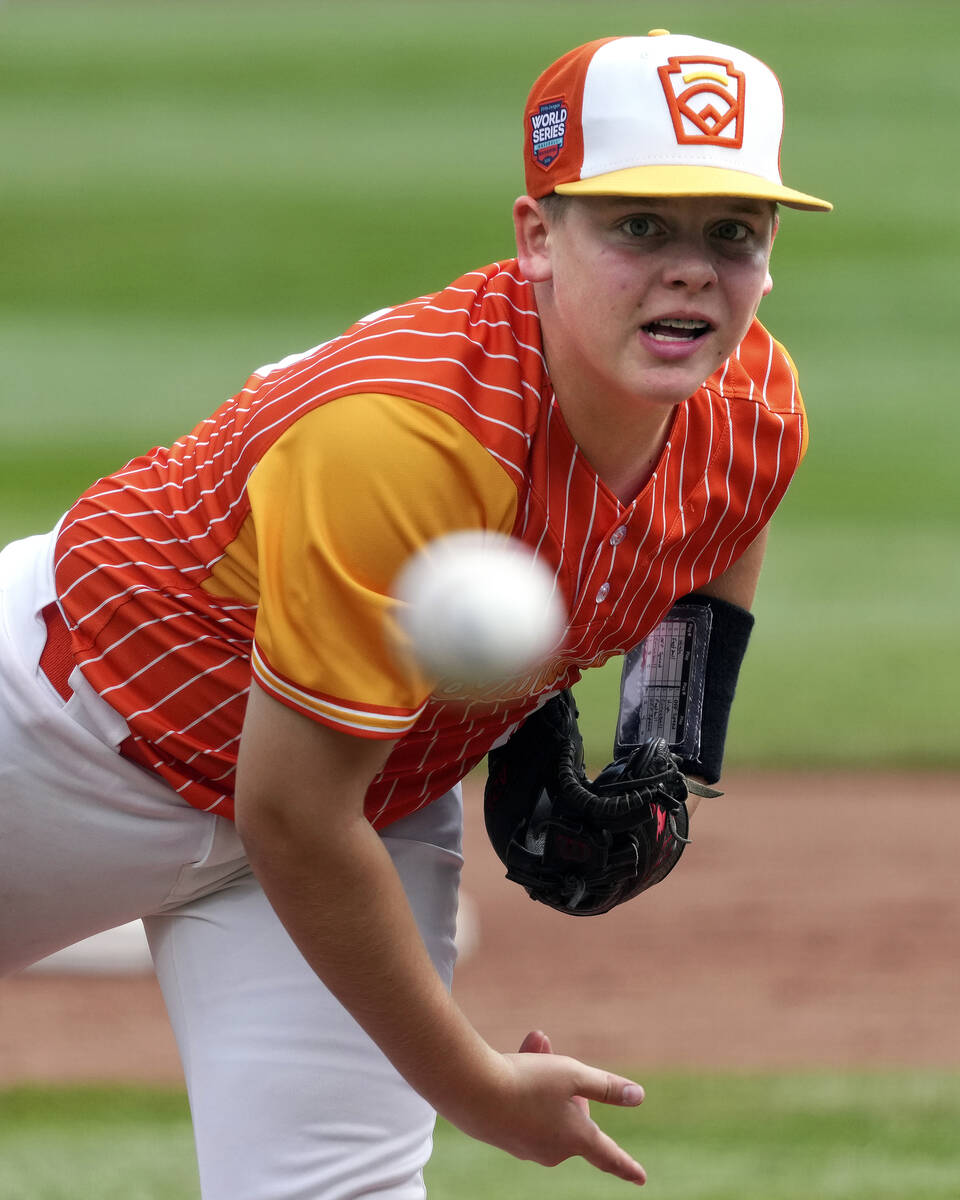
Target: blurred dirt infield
x,y
815,921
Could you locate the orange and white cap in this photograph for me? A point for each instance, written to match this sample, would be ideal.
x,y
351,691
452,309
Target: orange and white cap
x,y
662,115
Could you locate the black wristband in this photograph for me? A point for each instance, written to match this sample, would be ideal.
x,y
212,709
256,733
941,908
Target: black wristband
x,y
730,630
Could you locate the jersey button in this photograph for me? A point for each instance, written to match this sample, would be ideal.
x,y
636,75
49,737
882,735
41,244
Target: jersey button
x,y
618,535
603,592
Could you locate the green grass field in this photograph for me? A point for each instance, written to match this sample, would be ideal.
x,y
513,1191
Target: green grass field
x,y
187,191
190,190
706,1137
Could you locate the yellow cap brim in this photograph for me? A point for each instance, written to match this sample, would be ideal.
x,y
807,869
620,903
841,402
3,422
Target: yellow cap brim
x,y
690,181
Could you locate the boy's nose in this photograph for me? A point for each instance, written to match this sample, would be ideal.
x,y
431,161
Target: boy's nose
x,y
690,267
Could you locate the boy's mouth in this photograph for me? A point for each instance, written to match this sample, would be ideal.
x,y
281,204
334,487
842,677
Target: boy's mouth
x,y
677,329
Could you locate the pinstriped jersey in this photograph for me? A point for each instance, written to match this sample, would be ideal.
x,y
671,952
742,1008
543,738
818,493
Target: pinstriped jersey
x,y
261,546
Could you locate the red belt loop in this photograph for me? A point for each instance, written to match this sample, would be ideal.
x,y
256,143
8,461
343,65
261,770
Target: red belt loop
x,y
57,661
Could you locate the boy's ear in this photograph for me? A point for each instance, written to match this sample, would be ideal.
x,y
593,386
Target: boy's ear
x,y
768,282
531,228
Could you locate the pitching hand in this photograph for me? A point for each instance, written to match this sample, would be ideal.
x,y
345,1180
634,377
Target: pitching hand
x,y
543,1112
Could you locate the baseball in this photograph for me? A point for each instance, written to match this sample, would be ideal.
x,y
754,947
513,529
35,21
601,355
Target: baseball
x,y
478,608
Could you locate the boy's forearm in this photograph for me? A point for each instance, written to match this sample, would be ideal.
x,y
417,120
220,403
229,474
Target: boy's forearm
x,y
340,899
299,811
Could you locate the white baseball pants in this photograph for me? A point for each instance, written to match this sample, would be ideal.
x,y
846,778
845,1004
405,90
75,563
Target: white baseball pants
x,y
290,1099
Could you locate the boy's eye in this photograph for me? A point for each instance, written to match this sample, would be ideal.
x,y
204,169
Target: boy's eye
x,y
732,231
640,226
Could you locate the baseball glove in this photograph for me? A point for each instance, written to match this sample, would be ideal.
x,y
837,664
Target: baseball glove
x,y
583,847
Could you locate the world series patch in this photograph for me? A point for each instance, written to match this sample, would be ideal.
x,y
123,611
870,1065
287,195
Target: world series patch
x,y
548,127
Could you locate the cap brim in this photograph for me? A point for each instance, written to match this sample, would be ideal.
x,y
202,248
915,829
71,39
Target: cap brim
x,y
690,181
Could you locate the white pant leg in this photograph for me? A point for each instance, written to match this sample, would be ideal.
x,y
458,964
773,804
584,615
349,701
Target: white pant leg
x,y
290,1098
88,840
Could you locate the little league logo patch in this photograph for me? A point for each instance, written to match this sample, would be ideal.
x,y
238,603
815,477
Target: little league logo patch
x,y
706,99
548,127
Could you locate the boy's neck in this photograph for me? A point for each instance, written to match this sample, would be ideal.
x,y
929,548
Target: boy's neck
x,y
624,451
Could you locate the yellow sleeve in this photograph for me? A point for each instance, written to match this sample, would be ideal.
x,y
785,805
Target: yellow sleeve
x,y
806,430
338,504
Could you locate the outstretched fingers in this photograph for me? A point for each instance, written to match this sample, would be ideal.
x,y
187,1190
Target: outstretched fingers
x,y
601,1150
605,1154
607,1088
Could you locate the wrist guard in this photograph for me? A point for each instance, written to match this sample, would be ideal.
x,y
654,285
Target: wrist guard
x,y
679,683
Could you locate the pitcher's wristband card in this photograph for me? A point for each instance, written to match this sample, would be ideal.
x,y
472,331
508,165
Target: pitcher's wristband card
x,y
662,683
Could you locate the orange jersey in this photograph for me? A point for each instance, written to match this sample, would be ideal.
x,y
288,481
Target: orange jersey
x,y
262,546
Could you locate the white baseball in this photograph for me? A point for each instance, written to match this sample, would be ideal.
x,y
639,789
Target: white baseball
x,y
478,608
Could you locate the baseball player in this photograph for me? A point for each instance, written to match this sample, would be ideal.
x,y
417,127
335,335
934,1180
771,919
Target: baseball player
x,y
201,721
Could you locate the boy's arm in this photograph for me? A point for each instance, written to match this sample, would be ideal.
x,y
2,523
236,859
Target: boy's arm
x,y
737,585
300,793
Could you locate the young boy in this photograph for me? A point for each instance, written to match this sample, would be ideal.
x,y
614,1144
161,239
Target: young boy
x,y
200,720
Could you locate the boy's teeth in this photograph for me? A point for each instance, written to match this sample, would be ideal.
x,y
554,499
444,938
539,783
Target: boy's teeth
x,y
676,329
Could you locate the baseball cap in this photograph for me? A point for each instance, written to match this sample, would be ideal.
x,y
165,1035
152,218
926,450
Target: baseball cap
x,y
661,115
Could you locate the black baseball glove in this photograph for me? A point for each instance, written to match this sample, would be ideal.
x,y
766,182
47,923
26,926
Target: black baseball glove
x,y
583,847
